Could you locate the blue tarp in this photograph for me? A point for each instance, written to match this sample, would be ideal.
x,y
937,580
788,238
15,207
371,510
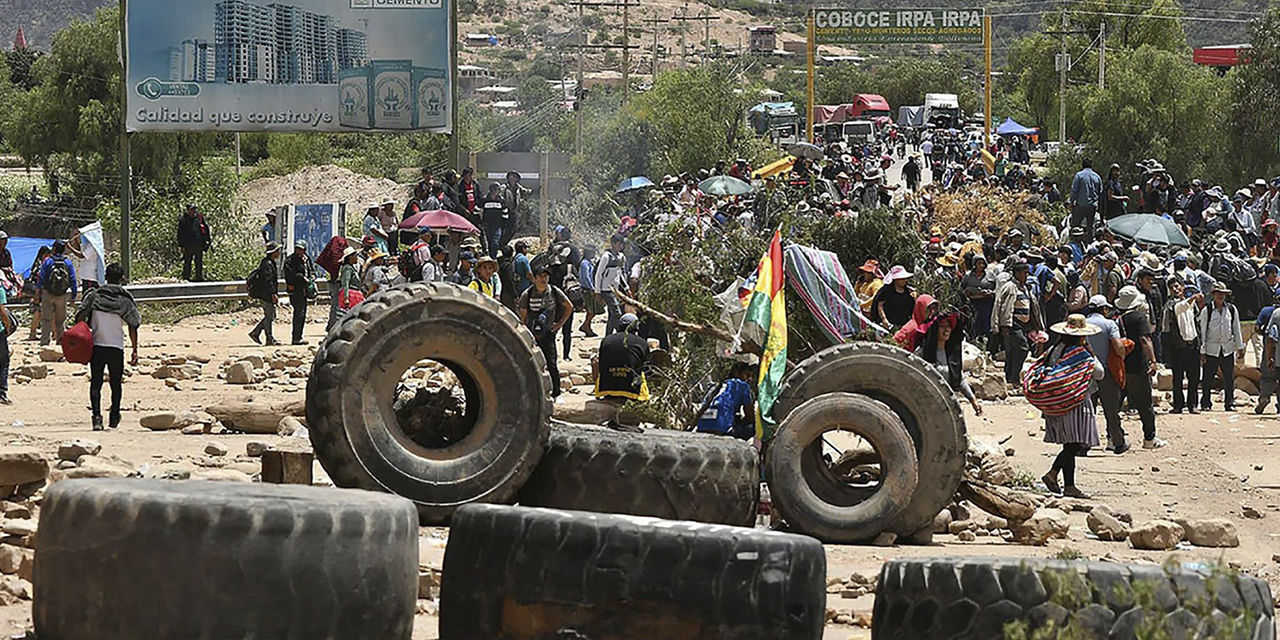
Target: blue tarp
x,y
24,252
1011,128
775,108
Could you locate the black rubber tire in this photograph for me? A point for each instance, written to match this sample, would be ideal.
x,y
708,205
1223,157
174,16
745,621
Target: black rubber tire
x,y
813,501
160,559
518,572
913,390
662,474
954,599
353,381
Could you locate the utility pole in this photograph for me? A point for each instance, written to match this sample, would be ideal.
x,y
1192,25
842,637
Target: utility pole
x,y
706,34
1102,55
684,29
654,22
578,90
626,50
706,19
1064,64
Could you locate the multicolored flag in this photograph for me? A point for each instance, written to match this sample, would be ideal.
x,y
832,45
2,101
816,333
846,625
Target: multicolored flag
x,y
766,325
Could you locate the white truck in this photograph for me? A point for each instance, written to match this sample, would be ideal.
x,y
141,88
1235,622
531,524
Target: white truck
x,y
942,110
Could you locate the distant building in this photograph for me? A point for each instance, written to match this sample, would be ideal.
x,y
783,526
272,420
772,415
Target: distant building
x,y
282,44
480,40
196,62
353,49
762,39
472,78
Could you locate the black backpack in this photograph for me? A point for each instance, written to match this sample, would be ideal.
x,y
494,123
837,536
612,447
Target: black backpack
x,y
59,281
258,284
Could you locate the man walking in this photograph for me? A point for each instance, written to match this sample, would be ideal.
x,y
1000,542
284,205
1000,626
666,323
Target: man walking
x,y
267,276
545,309
1086,189
1182,343
299,278
1140,363
611,274
1017,314
1109,392
57,287
109,309
1220,328
194,238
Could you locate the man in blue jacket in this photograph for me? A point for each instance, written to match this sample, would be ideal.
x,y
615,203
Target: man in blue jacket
x,y
1086,191
57,287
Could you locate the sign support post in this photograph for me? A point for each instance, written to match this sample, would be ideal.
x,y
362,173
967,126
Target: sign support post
x,y
986,55
810,113
455,130
126,237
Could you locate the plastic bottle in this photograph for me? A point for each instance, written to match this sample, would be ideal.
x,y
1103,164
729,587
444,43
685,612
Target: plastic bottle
x,y
766,507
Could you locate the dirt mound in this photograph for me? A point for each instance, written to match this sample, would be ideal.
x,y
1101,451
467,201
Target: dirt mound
x,y
316,185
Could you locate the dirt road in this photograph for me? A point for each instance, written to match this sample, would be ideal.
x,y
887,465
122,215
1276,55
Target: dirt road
x,y
1215,462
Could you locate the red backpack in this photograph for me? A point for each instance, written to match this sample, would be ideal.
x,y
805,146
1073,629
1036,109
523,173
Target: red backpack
x,y
77,343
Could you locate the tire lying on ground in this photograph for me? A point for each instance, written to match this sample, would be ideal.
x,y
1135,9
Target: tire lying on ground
x,y
159,559
811,499
977,597
517,572
672,475
351,395
915,392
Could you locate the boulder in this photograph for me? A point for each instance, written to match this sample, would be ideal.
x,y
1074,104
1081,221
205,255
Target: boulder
x,y
50,354
992,464
1156,535
20,465
34,371
10,558
290,425
1041,526
261,416
102,467
216,449
990,386
1213,532
240,373
1164,379
1106,525
161,421
73,449
177,372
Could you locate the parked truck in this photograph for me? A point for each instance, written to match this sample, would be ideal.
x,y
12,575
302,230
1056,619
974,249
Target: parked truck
x,y
942,110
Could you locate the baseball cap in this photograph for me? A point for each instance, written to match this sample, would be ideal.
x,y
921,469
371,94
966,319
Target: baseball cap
x,y
1099,302
467,255
628,319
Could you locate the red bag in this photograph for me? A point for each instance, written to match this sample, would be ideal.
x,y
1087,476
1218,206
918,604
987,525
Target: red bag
x,y
77,343
350,298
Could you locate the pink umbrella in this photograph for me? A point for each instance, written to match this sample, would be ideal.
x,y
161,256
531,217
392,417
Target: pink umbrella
x,y
439,220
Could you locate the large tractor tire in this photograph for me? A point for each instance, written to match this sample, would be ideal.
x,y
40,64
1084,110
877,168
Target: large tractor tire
x,y
955,599
671,475
806,496
919,396
353,386
179,560
539,574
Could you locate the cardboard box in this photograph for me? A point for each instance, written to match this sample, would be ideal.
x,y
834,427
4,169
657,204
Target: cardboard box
x,y
392,86
353,101
431,98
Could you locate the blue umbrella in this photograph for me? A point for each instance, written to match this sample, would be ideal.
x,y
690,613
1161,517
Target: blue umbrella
x,y
632,184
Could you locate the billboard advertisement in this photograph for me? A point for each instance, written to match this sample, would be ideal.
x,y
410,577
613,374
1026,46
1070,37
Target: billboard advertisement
x,y
289,65
897,26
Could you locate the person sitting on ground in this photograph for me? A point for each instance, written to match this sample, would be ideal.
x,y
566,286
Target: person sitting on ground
x,y
621,364
730,410
109,309
483,283
941,347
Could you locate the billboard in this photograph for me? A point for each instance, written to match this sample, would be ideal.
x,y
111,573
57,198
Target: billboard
x,y
897,26
289,65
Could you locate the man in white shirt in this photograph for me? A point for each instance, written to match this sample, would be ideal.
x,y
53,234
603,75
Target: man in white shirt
x,y
109,310
611,274
1221,342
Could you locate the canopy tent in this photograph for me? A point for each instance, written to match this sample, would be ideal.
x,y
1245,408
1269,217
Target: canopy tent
x,y
776,109
824,113
1011,128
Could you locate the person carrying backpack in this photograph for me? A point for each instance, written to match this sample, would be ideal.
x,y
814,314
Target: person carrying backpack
x,y
610,275
545,309
263,288
109,310
300,280
57,287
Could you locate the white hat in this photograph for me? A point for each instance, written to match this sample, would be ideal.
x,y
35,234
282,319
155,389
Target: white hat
x,y
1130,298
1100,302
898,272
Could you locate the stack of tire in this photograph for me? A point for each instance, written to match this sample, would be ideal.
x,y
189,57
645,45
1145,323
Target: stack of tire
x,y
513,453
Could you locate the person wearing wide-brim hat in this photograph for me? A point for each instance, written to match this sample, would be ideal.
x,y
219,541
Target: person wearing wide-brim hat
x,y
1140,363
867,283
1077,429
300,281
349,275
378,274
485,282
1221,342
896,300
268,273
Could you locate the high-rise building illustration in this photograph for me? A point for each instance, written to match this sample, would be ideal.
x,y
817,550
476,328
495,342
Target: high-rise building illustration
x,y
281,44
198,61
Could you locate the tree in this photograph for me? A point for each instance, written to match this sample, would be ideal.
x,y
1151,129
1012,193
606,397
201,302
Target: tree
x,y
1255,110
19,63
697,116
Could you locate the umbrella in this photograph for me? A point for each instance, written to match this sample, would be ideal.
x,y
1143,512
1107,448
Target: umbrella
x,y
1149,228
632,184
724,186
806,150
439,220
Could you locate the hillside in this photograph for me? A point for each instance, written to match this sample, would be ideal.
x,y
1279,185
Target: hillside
x,y
40,19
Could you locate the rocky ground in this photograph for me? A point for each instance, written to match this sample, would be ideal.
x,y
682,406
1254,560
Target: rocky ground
x,y
1217,483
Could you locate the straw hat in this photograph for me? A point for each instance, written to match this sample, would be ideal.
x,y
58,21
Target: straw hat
x,y
1075,325
482,260
348,252
377,254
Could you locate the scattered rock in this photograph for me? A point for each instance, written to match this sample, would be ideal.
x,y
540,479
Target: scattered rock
x,y
73,449
171,471
1214,532
216,449
991,462
942,522
20,528
16,588
966,536
1104,524
34,371
63,465
21,466
240,373
428,583
194,430
1164,379
1044,524
221,475
102,467
16,510
254,448
50,354
289,425
1251,513
161,421
255,360
843,618
1156,535
958,526
990,387
177,372
10,558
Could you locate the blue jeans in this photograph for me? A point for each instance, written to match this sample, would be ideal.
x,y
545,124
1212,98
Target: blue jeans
x,y
615,312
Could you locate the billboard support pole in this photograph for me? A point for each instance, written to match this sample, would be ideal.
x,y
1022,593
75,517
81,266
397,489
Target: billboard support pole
x,y
126,244
809,114
986,55
454,154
